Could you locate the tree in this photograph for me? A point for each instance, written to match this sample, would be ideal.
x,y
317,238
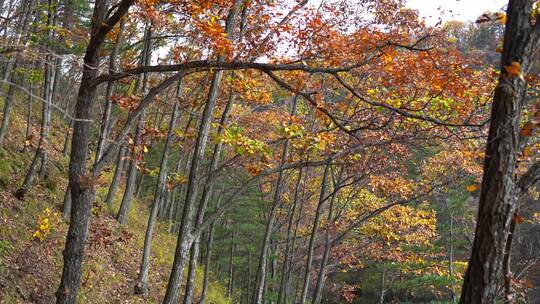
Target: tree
x,y
500,188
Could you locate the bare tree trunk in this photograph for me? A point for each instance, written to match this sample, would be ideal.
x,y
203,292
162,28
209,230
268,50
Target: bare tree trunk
x,y
261,270
29,116
40,155
13,64
207,259
47,115
383,290
314,229
230,285
106,119
498,199
205,198
8,105
321,278
282,294
125,206
116,177
141,287
184,234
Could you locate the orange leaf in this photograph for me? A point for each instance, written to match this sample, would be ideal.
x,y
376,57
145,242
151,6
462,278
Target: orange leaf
x,y
527,129
472,187
518,219
513,69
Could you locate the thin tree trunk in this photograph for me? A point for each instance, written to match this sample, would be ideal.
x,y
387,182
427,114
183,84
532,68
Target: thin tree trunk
x,y
141,287
207,259
12,66
321,278
106,119
116,177
41,151
125,206
261,270
29,117
230,285
184,234
314,229
383,291
47,115
8,105
207,193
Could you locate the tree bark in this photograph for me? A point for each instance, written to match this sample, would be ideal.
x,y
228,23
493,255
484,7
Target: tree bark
x,y
207,258
321,278
82,190
498,199
116,177
262,268
40,155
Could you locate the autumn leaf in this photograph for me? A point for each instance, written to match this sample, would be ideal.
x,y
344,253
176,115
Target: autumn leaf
x,y
527,129
472,187
518,219
514,69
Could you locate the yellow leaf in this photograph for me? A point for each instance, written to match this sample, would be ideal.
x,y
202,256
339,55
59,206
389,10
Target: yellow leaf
x,y
145,149
472,187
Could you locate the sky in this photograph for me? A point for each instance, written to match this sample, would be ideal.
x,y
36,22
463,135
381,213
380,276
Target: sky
x,y
462,10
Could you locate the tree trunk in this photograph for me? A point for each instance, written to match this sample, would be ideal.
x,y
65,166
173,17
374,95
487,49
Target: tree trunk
x,y
230,285
207,193
82,190
314,229
321,278
12,66
141,287
186,223
106,119
261,270
8,105
207,259
116,177
498,198
40,155
125,206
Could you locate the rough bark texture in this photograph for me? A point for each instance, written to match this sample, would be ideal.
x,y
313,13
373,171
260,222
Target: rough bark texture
x,y
498,199
82,191
184,238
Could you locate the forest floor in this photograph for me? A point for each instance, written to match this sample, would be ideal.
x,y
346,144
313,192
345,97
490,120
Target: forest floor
x,y
30,267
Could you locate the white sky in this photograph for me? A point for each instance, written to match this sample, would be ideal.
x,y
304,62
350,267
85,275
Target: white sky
x,y
462,10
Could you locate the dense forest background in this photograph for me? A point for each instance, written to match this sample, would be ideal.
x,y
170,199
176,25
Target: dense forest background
x,y
253,151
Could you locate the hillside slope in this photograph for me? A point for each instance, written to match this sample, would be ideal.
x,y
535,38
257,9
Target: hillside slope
x,y
32,232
